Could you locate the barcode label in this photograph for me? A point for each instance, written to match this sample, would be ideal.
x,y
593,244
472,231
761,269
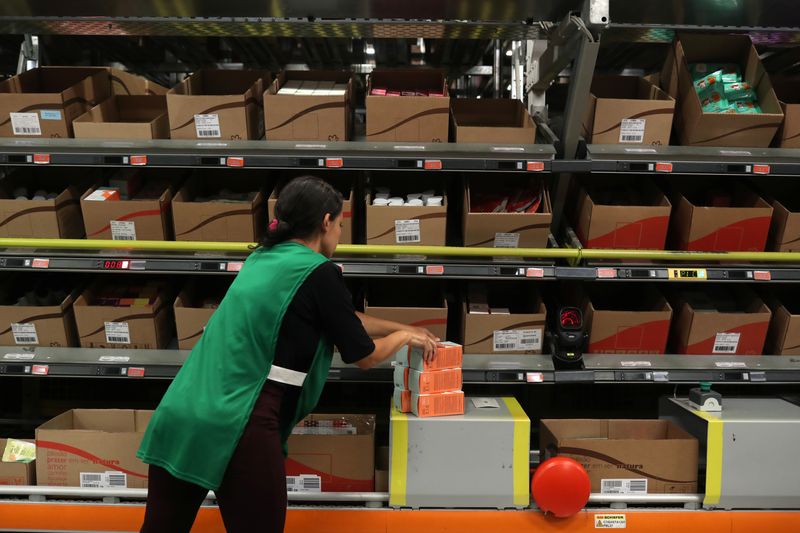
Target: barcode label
x,y
104,480
632,130
117,333
407,231
726,343
25,124
506,240
517,340
304,483
123,230
24,333
623,486
207,126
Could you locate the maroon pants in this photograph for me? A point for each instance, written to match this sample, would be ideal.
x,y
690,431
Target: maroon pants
x,y
252,496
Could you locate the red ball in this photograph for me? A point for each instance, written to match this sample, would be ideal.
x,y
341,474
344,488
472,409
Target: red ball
x,y
561,486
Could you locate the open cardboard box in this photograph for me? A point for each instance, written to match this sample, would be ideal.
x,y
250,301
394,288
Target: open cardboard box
x,y
606,219
218,104
784,197
487,121
783,337
506,230
627,320
194,306
697,225
92,441
628,110
697,128
419,303
407,225
344,463
125,117
17,473
719,320
308,117
787,89
518,329
102,325
408,118
59,218
658,455
36,323
199,219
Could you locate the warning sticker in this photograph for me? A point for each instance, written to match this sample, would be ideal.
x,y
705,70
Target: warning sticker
x,y
123,230
25,124
117,333
610,521
407,231
506,240
632,130
516,340
24,333
726,343
207,126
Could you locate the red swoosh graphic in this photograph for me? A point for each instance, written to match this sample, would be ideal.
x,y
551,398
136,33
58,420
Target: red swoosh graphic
x,y
148,213
647,337
430,322
750,343
86,455
645,234
347,214
330,483
749,235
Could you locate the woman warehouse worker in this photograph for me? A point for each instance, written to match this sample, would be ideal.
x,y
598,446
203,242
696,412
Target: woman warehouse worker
x,y
258,369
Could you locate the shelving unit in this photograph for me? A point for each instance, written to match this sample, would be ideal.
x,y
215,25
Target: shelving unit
x,y
549,39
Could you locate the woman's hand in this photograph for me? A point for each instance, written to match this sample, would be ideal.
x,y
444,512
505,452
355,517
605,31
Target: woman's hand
x,y
423,332
425,340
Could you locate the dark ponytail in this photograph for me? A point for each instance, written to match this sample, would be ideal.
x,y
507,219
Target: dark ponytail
x,y
301,207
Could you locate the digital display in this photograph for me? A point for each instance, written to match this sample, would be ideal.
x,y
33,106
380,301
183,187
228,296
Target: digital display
x,y
116,264
688,274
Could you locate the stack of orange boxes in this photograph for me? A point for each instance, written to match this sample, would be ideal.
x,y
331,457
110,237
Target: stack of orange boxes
x,y
429,389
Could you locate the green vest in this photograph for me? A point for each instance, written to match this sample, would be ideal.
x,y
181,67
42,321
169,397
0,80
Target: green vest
x,y
201,418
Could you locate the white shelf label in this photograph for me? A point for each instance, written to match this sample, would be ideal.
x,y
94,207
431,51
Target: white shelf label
x,y
25,124
117,333
407,231
515,340
19,356
623,486
632,131
730,364
485,403
114,359
726,343
304,483
123,230
104,480
24,333
635,364
506,240
207,126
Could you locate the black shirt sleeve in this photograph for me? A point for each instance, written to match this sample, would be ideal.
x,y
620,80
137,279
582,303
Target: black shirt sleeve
x,y
337,315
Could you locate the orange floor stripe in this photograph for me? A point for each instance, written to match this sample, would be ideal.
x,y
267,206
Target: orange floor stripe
x,y
128,518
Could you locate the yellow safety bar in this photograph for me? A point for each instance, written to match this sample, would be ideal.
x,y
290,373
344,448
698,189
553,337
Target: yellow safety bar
x,y
434,251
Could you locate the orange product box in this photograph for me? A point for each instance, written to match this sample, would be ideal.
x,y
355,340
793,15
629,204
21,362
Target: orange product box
x,y
443,404
427,382
402,400
448,355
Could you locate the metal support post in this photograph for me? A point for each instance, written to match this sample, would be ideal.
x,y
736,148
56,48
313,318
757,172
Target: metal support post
x,y
497,64
535,93
28,54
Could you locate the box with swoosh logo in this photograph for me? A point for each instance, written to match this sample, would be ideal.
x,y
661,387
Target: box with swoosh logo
x,y
92,448
194,306
515,327
419,303
36,312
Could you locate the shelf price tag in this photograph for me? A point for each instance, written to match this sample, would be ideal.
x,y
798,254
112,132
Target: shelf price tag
x,y
606,273
334,162
432,164
663,167
434,270
136,372
761,169
41,159
534,273
234,161
762,275
138,160
687,274
534,166
40,370
40,263
234,266
534,377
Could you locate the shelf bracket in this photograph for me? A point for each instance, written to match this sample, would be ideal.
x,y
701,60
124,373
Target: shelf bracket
x,y
28,54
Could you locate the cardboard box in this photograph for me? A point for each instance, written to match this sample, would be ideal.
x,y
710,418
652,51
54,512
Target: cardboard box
x,y
624,214
382,469
628,110
519,332
125,117
134,219
345,463
36,323
147,326
58,218
17,473
345,183
418,226
697,226
309,117
227,102
697,128
783,337
660,456
782,195
92,441
408,118
193,309
627,320
491,121
128,84
502,230
786,89
198,218
719,321
419,303
46,100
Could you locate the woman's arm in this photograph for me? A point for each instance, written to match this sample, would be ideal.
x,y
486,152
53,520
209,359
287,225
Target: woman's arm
x,y
387,346
377,327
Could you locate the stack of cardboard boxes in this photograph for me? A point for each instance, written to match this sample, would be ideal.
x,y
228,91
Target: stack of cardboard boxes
x,y
429,388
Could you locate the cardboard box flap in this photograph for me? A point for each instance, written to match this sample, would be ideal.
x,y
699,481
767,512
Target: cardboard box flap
x,y
133,109
220,82
409,79
107,420
627,88
50,80
126,83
